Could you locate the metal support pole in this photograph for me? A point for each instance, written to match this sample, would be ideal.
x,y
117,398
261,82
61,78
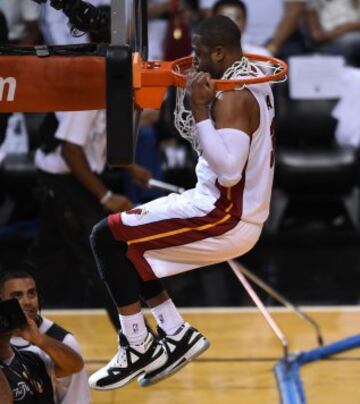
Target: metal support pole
x,y
281,299
269,319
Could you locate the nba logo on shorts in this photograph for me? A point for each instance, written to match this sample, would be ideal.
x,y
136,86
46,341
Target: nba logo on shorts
x,y
135,327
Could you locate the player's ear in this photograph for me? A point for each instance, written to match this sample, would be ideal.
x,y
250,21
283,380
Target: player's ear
x,y
218,54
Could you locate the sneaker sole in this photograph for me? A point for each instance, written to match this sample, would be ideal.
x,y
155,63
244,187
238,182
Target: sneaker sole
x,y
202,345
149,368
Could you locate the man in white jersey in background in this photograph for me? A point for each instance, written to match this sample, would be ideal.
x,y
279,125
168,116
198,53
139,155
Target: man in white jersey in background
x,y
221,218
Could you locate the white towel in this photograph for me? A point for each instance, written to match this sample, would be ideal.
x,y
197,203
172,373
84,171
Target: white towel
x,y
347,110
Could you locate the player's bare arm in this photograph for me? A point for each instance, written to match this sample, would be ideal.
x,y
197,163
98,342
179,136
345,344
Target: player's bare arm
x,y
237,110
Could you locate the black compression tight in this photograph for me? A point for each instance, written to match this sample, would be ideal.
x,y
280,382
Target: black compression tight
x,y
117,271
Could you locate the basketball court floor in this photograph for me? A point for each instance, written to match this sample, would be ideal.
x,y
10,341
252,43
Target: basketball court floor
x,y
237,369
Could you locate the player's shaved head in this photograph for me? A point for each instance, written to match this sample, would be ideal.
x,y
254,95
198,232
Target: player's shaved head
x,y
219,31
216,45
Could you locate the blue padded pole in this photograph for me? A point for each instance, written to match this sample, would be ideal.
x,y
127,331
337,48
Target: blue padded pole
x,y
287,370
289,381
329,350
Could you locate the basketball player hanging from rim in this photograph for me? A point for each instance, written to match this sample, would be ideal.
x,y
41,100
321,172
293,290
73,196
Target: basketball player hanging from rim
x,y
221,218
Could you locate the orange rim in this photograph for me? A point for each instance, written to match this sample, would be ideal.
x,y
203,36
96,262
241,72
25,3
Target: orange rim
x,y
152,78
228,85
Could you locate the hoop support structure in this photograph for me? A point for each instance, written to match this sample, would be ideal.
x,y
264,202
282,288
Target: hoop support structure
x,y
53,78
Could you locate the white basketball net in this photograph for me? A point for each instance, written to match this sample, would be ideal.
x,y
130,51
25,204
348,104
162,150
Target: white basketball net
x,y
184,120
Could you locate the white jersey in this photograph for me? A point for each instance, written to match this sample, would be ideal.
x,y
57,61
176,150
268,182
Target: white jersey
x,y
251,196
83,128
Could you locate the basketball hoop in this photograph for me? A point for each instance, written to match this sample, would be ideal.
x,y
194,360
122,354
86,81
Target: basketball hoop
x,y
275,71
249,70
152,78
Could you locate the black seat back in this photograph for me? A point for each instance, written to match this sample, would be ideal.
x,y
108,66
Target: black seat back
x,y
303,123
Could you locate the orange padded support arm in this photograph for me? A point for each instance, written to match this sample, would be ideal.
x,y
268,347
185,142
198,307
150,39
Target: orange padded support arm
x,y
150,81
73,83
57,83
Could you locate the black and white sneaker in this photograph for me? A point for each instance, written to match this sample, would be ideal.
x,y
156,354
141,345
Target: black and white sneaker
x,y
129,362
182,347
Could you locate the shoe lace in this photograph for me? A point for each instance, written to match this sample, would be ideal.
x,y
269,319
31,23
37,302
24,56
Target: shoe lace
x,y
121,357
162,338
119,360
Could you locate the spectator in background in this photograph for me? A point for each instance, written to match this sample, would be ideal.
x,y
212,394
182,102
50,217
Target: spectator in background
x,y
158,15
288,39
169,28
21,285
279,33
236,10
334,27
263,17
75,196
74,193
22,18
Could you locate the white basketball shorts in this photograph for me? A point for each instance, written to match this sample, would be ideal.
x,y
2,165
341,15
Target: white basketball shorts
x,y
173,234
